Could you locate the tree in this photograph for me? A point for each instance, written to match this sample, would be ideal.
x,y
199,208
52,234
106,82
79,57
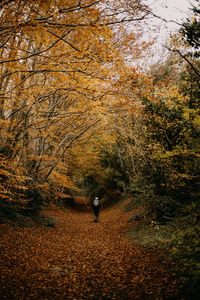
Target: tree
x,y
191,30
57,62
186,43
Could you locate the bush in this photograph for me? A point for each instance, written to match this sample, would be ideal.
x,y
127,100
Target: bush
x,y
7,212
19,212
185,248
45,221
165,208
10,213
92,188
35,202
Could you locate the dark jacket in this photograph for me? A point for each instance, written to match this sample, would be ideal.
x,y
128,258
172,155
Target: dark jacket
x,y
96,208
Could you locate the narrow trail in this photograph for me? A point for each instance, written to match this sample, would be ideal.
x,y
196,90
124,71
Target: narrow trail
x,y
80,259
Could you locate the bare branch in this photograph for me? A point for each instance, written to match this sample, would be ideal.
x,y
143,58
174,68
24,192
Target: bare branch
x,y
187,60
68,146
37,53
78,7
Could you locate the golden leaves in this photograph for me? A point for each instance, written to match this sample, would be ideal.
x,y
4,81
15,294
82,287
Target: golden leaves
x,y
60,69
12,178
79,258
61,183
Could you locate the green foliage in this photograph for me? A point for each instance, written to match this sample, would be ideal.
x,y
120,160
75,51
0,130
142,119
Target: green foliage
x,y
178,237
185,249
116,164
92,187
174,128
189,85
165,208
191,29
166,124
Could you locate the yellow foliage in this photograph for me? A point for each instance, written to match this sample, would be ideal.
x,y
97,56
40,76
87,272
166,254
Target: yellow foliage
x,y
64,80
62,180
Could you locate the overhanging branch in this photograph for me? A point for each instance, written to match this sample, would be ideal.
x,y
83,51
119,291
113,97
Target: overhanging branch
x,y
186,59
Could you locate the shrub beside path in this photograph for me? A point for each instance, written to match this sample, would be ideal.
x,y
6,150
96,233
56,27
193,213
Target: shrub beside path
x,y
80,259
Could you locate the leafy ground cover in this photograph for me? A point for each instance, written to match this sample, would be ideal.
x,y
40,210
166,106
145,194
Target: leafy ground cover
x,y
80,259
179,237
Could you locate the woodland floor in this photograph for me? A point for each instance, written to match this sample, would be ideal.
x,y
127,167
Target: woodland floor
x,y
80,259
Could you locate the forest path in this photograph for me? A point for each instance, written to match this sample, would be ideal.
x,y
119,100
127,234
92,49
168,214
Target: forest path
x,y
80,259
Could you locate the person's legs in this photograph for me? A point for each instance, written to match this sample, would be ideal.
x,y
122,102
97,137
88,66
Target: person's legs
x,y
96,216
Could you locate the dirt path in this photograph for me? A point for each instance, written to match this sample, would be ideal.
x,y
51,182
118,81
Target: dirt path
x,y
80,259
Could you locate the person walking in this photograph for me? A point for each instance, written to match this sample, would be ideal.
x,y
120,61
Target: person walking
x,y
96,208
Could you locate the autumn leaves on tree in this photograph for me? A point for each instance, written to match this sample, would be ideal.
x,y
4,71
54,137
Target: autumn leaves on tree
x,y
57,61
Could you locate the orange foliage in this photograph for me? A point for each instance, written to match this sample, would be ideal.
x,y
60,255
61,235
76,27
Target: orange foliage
x,y
61,66
80,259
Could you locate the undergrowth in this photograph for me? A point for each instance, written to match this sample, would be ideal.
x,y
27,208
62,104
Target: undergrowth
x,y
12,215
179,238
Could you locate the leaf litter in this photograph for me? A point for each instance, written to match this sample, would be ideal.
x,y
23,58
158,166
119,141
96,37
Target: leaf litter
x,y
80,259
